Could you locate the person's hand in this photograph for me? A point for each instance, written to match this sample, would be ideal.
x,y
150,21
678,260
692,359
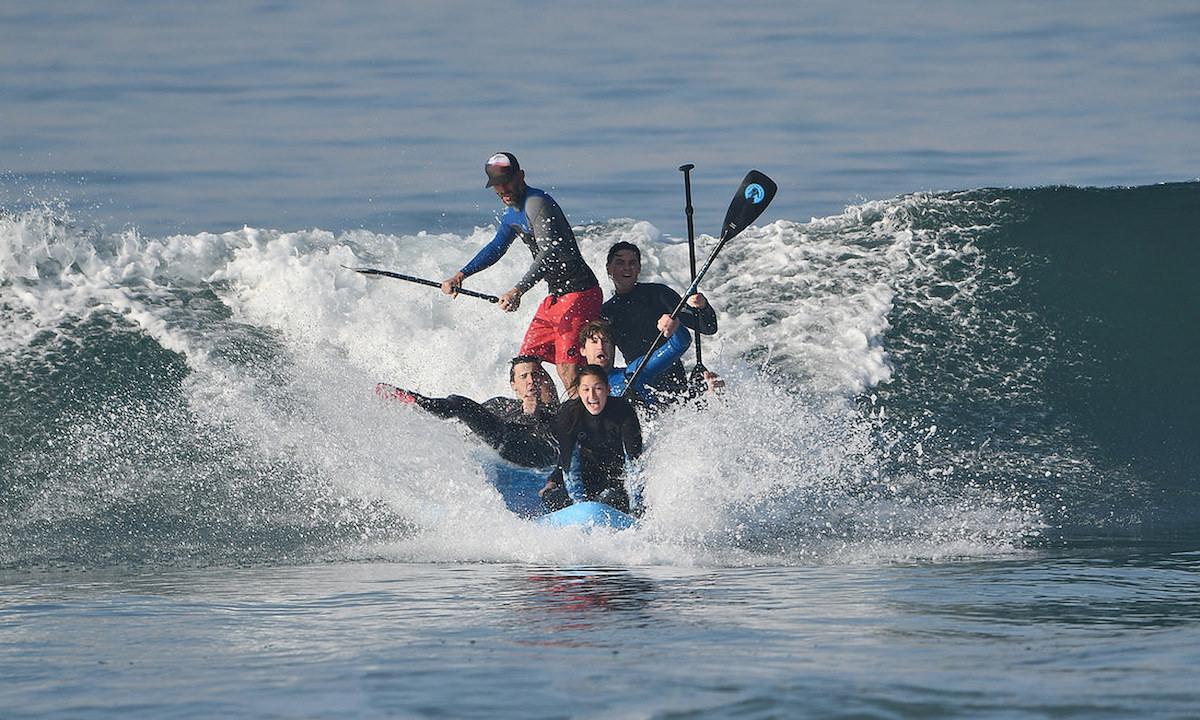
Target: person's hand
x,y
550,485
451,286
547,393
714,382
511,300
698,301
667,325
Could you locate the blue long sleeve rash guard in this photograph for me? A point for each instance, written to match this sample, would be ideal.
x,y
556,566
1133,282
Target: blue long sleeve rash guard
x,y
541,224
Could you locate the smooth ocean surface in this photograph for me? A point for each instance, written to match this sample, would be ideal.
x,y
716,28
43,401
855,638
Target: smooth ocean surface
x,y
1052,637
208,117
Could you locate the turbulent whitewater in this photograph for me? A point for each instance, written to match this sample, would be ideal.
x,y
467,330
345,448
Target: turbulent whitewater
x,y
937,375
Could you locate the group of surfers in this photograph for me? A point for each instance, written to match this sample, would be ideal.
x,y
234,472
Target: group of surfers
x,y
579,334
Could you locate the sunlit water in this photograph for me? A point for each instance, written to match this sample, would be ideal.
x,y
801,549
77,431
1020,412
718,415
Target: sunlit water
x,y
952,475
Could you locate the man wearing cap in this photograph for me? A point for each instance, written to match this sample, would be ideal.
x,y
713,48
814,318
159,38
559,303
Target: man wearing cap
x,y
574,297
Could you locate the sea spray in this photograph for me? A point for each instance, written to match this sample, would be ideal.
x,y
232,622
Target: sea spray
x,y
912,378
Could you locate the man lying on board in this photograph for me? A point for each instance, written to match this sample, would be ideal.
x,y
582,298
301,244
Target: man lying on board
x,y
519,428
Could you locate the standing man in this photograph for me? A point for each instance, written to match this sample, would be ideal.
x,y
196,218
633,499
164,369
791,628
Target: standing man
x,y
639,312
574,293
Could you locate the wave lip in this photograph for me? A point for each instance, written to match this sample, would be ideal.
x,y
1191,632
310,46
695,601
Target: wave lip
x,y
935,375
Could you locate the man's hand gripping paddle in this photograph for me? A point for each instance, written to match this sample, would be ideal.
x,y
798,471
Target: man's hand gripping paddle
x,y
422,281
749,202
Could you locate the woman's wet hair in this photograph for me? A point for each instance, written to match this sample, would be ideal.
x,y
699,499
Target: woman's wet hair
x,y
593,370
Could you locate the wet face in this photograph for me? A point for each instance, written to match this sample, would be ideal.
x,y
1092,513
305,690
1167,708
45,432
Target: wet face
x,y
593,392
623,269
511,192
598,350
527,380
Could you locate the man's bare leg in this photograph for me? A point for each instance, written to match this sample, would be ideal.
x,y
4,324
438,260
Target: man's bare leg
x,y
568,373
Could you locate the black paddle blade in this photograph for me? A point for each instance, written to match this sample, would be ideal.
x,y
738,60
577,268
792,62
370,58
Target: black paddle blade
x,y
752,198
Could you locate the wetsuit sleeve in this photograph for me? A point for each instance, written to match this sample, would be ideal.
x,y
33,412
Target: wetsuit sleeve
x,y
474,415
660,360
554,239
507,409
702,321
494,250
631,433
502,424
564,434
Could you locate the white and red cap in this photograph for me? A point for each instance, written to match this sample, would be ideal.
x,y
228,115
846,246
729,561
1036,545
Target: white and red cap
x,y
501,167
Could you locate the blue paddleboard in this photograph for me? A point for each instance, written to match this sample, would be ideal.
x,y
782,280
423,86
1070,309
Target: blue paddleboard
x,y
518,486
589,514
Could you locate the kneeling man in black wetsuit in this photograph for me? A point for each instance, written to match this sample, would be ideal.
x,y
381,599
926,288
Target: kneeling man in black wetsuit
x,y
639,313
519,428
607,432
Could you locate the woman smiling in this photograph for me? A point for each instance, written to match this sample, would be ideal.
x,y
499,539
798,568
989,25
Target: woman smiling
x,y
606,432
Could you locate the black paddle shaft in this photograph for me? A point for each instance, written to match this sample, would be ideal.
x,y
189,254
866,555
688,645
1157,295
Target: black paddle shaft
x,y
423,281
691,230
752,198
689,211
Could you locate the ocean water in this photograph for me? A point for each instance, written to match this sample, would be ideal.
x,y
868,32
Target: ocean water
x,y
953,474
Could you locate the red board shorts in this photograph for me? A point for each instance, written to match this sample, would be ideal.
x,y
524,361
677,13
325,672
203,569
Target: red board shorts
x,y
553,335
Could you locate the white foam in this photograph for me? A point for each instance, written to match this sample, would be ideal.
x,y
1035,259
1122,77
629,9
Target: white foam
x,y
778,470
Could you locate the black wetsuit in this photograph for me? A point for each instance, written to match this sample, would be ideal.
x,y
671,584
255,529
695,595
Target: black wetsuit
x,y
604,441
634,319
502,422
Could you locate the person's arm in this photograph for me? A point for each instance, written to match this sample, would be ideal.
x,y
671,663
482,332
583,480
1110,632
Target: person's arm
x,y
696,314
699,315
548,243
659,360
485,258
483,420
553,236
564,431
547,391
631,434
